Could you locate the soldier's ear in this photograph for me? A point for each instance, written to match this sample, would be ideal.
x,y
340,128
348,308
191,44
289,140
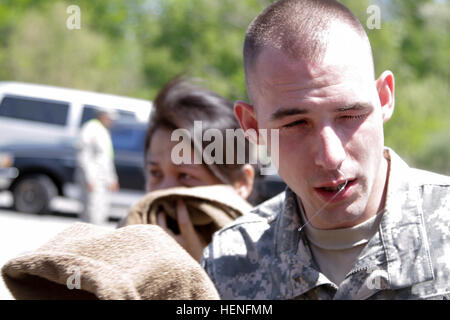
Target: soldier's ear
x,y
386,89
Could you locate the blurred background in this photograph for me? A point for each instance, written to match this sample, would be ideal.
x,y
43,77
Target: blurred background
x,y
131,48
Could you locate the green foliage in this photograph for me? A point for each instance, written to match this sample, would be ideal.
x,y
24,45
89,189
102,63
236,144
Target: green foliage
x,y
421,112
202,38
133,47
436,153
42,50
415,45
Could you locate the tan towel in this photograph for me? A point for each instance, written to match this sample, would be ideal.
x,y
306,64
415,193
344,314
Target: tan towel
x,y
136,262
210,207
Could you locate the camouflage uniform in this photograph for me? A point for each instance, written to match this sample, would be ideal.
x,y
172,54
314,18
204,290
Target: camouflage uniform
x,y
263,256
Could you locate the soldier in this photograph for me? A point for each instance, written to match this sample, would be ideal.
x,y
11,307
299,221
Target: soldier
x,y
96,171
355,221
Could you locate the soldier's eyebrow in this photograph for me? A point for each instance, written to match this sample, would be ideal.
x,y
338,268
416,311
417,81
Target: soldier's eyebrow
x,y
285,112
354,107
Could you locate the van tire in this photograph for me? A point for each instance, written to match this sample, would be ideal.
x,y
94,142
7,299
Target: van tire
x,y
33,194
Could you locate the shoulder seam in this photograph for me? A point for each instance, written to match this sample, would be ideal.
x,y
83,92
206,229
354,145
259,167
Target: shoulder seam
x,y
239,224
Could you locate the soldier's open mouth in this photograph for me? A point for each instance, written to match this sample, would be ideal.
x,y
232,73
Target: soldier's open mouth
x,y
337,192
334,189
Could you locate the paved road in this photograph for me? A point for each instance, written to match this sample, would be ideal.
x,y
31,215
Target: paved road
x,y
21,232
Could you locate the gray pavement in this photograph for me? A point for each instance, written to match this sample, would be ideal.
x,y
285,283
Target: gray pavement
x,y
21,232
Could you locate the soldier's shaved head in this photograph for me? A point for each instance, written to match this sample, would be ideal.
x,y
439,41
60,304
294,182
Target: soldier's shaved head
x,y
303,29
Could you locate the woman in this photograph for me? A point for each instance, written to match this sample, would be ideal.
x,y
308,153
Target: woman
x,y
179,105
142,261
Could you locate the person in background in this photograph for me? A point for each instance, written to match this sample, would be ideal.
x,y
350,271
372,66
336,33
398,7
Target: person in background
x,y
177,105
96,171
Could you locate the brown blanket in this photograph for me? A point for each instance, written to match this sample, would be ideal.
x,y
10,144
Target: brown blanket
x,y
210,208
90,262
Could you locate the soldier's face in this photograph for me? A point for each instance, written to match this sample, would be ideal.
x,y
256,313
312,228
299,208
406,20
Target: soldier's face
x,y
330,123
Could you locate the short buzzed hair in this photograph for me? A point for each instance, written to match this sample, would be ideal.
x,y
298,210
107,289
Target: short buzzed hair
x,y
299,28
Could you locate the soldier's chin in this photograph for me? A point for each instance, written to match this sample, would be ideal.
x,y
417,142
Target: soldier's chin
x,y
346,217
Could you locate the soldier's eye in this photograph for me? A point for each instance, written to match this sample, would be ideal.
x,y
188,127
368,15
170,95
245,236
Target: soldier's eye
x,y
357,117
295,123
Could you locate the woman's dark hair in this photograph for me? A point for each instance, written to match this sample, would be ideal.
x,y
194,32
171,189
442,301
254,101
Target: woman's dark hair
x,y
181,102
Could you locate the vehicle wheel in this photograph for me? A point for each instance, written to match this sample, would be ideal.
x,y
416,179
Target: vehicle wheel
x,y
32,194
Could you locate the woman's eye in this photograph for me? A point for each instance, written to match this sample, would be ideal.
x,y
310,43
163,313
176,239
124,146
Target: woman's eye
x,y
154,173
185,176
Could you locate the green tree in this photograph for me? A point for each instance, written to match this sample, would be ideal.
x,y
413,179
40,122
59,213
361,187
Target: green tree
x,y
200,37
41,49
133,47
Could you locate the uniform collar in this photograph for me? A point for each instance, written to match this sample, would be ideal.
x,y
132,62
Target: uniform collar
x,y
300,273
402,229
400,247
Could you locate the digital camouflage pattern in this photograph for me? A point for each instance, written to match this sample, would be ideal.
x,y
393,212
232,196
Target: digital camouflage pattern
x,y
262,255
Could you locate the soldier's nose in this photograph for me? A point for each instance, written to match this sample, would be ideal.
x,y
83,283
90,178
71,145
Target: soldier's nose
x,y
330,152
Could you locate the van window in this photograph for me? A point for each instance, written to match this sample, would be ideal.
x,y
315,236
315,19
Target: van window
x,y
126,115
128,138
33,109
89,113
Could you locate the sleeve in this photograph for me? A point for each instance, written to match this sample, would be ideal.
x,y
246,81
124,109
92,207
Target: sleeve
x,y
206,264
112,172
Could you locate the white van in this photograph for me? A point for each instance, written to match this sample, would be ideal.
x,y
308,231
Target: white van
x,y
39,113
